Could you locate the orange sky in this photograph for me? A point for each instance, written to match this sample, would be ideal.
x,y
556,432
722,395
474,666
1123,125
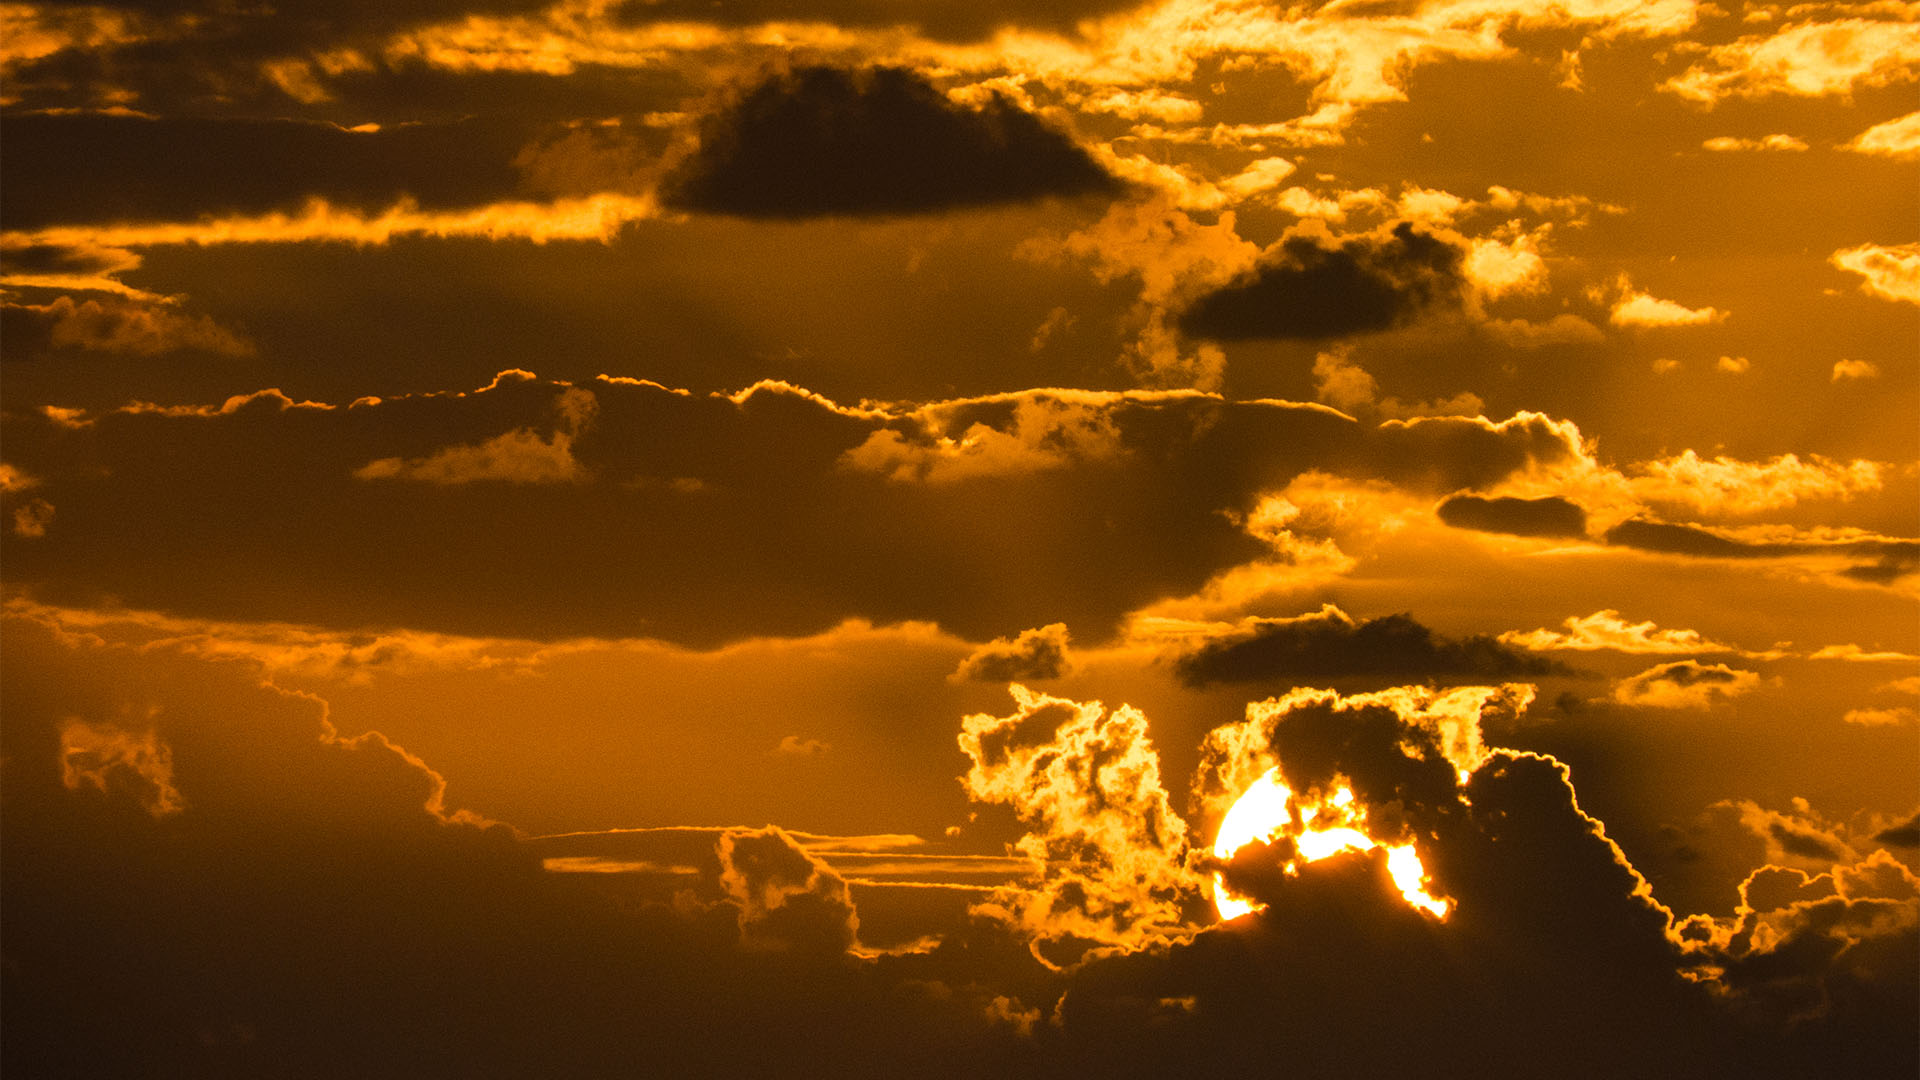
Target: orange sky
x,y
764,538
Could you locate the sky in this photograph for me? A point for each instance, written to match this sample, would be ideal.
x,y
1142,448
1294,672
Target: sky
x,y
959,538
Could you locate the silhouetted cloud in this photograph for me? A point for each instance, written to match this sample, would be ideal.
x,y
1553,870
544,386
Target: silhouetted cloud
x,y
72,169
819,140
1905,834
1330,644
1316,287
1549,516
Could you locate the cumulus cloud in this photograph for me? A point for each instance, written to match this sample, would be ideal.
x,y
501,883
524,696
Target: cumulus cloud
x,y
1727,485
1684,684
1041,653
1320,286
1888,271
1106,844
1853,370
820,140
1330,644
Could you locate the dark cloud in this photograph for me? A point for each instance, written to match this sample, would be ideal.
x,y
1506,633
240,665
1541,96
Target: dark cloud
x,y
1331,645
442,511
950,20
1539,891
1040,653
1550,516
1311,289
247,891
1905,834
818,140
1896,557
309,909
1804,842
92,168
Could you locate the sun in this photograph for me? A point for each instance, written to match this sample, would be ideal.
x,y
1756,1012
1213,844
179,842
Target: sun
x,y
1319,828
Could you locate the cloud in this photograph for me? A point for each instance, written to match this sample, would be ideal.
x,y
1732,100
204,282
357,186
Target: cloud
x,y
1726,144
1562,329
1347,386
789,900
1854,370
597,217
176,169
1904,834
1639,309
1859,655
1047,433
32,519
111,758
1547,516
1898,138
1804,59
1040,653
1725,485
1607,630
795,746
1330,644
1895,555
817,141
1901,714
1684,684
1319,286
115,325
1103,837
520,456
1889,271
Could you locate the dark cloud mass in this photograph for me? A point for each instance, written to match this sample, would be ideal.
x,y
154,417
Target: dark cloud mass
x,y
204,877
94,168
394,512
1311,289
1550,516
818,140
1332,645
958,20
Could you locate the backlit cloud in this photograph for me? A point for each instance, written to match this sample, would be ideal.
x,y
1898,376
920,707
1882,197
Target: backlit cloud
x,y
822,140
1684,684
1320,286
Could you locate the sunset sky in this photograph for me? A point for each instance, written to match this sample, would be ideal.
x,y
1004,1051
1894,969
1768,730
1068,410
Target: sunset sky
x,y
762,538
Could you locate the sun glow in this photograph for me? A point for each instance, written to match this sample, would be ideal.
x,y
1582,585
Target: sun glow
x,y
1318,828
